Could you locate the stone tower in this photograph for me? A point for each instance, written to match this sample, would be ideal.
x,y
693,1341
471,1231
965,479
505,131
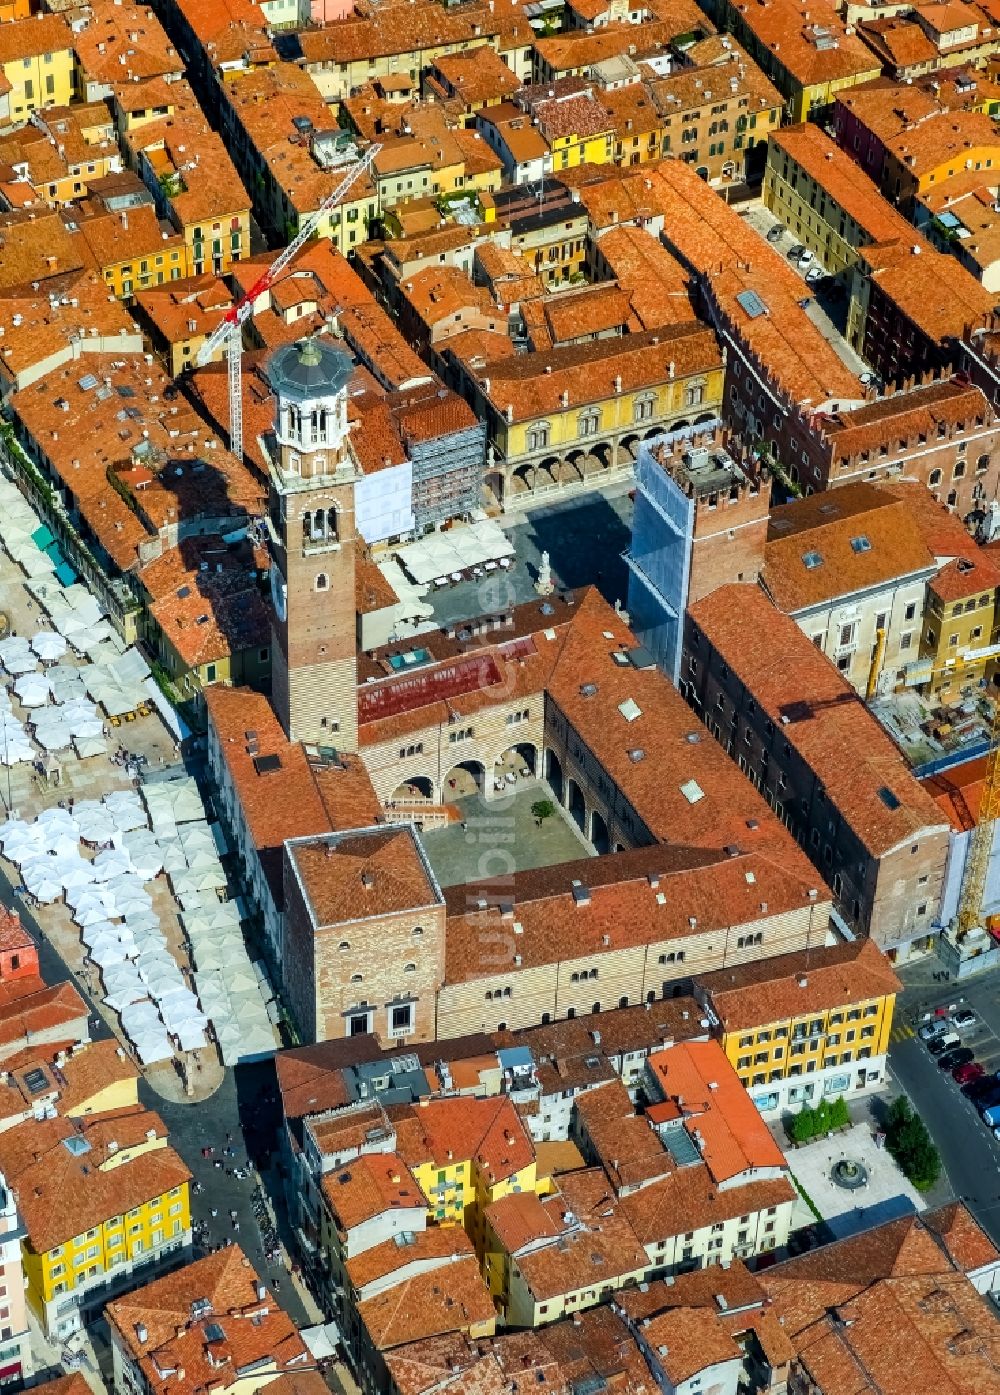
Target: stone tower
x,y
313,476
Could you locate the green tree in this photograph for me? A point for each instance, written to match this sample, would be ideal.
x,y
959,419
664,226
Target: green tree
x,y
543,809
803,1125
910,1144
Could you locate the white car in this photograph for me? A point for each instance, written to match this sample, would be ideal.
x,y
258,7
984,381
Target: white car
x,y
964,1018
805,257
930,1031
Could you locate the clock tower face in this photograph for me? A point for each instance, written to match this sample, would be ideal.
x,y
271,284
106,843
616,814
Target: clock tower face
x,y
313,540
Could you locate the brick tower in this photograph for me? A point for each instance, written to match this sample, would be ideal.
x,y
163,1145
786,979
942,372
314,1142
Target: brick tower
x,y
314,684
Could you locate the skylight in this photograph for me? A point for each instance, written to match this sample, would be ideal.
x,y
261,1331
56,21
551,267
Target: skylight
x,y
812,560
862,543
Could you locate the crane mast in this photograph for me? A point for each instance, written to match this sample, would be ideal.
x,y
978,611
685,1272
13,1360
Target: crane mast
x,y
229,333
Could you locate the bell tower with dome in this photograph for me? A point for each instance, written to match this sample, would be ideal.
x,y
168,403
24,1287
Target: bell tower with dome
x,y
312,534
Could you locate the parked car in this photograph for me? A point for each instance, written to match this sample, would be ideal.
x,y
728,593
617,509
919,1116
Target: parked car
x,y
982,1088
968,1072
945,1042
990,1114
804,257
776,233
937,1028
958,1056
814,274
794,253
964,1018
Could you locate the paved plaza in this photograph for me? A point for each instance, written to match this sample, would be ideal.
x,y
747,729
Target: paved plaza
x,y
500,836
885,1195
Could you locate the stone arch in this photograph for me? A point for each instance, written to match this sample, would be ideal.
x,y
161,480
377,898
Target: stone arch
x,y
554,775
576,804
630,444
414,787
466,778
599,835
516,757
703,418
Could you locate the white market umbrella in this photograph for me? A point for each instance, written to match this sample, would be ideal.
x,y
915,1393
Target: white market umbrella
x,y
45,888
96,825
32,690
55,817
54,736
48,645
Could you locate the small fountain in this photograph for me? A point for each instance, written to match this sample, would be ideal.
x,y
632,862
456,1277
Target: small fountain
x,y
849,1174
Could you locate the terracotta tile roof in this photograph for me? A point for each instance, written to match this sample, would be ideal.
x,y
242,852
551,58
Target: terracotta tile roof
x,y
373,336
906,416
580,117
51,327
183,1349
40,247
833,527
114,238
687,1340
476,74
794,985
489,1131
842,180
388,1261
628,1149
522,139
64,1385
122,46
13,936
589,372
964,1241
875,793
718,1113
520,1218
28,1008
654,280
350,876
929,288
592,310
799,361
373,1185
123,418
690,1200
899,42
444,292
452,1298
971,574
282,803
722,67
803,40
91,1069
958,793
622,1031
62,1193
596,1246
30,38
886,1311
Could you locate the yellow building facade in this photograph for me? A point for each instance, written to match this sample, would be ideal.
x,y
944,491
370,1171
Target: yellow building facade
x,y
572,151
959,626
38,61
815,1028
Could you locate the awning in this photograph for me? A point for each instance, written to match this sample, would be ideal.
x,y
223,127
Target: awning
x,y
41,537
65,574
54,553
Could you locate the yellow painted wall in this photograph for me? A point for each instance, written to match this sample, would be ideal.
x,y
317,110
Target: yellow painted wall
x,y
125,278
768,1052
217,238
44,81
616,414
123,1094
569,152
120,1238
951,628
